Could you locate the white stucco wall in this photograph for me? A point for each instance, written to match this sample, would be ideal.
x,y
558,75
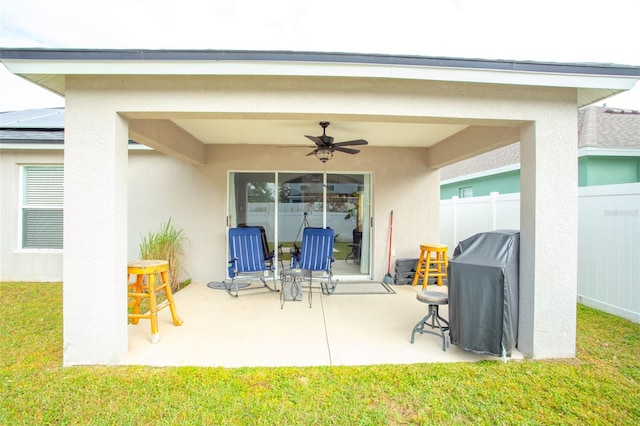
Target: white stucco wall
x,y
549,234
195,198
162,188
17,264
401,183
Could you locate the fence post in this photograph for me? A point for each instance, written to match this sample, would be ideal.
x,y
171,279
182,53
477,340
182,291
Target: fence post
x,y
494,212
454,205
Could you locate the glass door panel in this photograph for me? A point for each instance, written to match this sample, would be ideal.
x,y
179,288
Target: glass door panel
x,y
348,212
252,202
300,204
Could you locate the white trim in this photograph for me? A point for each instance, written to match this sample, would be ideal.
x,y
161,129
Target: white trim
x,y
21,196
608,151
315,69
38,251
609,190
30,146
59,146
139,147
503,169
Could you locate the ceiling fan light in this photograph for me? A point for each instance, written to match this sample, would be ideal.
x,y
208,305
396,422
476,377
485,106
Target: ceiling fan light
x,y
324,154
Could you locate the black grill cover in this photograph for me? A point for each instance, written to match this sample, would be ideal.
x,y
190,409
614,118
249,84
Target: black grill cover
x,y
483,292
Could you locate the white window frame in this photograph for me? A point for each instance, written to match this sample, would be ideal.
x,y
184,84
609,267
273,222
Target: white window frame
x,y
43,201
466,192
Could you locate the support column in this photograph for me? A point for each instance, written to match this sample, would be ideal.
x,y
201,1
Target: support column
x,y
95,234
548,245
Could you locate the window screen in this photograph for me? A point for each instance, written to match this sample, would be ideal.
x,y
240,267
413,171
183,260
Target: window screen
x,y
42,207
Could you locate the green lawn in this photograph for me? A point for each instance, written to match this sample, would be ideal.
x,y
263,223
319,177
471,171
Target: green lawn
x,y
600,386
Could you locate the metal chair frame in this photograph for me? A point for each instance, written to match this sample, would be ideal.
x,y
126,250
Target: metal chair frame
x,y
316,255
247,261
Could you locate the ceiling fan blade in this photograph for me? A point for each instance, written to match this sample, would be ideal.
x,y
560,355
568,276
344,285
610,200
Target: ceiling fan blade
x,y
345,150
351,143
311,153
317,140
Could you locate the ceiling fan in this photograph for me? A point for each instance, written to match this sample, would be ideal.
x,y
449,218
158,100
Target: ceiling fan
x,y
325,145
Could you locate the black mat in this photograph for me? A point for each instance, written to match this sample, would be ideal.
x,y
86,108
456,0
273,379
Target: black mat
x,y
217,285
362,287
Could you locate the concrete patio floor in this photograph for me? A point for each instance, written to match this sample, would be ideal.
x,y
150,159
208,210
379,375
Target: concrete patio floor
x,y
252,331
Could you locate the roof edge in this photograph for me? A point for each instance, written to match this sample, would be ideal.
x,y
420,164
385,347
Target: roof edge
x,y
47,54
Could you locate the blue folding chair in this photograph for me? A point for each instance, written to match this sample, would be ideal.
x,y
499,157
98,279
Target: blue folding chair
x,y
268,254
247,261
316,255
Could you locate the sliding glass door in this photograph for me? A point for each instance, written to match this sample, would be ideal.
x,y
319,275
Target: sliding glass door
x,y
252,202
348,211
285,203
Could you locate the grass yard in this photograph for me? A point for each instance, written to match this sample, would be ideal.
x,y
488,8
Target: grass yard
x,y
600,386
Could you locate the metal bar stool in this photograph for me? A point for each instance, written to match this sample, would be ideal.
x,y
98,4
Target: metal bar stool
x,y
432,263
434,299
146,289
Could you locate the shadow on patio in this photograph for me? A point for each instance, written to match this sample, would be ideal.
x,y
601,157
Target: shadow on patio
x,y
252,331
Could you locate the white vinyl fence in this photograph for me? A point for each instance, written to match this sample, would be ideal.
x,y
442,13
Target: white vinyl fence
x,y
608,239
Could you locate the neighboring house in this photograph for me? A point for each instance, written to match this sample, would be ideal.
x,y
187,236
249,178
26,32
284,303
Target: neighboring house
x,y
223,124
608,153
608,162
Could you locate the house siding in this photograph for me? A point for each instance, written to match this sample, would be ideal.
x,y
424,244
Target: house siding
x,y
504,183
592,171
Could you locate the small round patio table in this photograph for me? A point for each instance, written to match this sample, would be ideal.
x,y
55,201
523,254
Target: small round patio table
x,y
292,283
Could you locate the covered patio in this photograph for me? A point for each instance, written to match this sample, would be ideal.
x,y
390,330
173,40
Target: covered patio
x,y
252,330
210,114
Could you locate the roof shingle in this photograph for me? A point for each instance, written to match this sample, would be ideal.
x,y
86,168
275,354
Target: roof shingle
x,y
601,127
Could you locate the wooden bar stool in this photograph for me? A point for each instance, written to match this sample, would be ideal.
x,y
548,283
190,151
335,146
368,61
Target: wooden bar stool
x,y
146,289
432,263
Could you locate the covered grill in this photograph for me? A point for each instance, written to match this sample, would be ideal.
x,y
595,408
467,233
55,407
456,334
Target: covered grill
x,y
483,292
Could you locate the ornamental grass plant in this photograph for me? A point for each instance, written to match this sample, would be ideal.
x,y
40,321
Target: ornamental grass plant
x,y
166,244
600,386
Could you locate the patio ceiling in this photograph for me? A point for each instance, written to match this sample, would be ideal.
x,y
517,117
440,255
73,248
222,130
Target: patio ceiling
x,y
292,132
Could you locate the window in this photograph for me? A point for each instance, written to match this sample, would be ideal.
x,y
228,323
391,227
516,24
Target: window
x,y
466,192
41,210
